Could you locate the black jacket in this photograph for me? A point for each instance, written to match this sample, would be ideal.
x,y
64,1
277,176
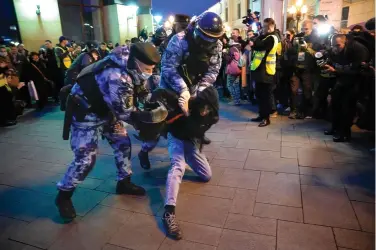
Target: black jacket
x,y
83,60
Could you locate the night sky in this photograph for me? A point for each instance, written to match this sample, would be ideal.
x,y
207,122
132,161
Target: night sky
x,y
189,7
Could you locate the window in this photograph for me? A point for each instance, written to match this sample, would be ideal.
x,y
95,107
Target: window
x,y
239,11
87,13
226,14
345,16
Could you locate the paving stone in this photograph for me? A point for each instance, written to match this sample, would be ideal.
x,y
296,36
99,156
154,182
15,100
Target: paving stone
x,y
243,202
149,204
259,145
248,134
214,146
139,224
234,154
270,161
311,145
216,137
9,226
85,199
365,212
113,247
274,136
251,224
328,206
278,212
289,153
235,240
293,136
200,233
42,232
315,158
169,244
13,245
227,163
279,189
320,177
210,211
229,143
240,178
354,239
298,236
94,231
207,190
360,194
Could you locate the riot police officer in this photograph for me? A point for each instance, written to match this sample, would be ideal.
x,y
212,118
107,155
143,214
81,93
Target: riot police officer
x,y
190,65
103,97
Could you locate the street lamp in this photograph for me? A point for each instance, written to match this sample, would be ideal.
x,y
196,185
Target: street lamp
x,y
157,19
299,10
171,19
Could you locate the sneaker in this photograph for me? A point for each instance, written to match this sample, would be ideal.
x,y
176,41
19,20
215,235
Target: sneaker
x,y
125,186
144,160
171,226
274,115
64,204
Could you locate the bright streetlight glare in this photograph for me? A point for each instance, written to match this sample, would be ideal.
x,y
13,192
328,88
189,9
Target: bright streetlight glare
x,y
292,10
171,19
304,9
157,18
299,3
167,25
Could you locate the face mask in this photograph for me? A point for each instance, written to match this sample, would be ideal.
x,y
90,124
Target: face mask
x,y
3,53
143,75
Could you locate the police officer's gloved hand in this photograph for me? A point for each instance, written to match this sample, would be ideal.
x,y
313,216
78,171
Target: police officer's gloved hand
x,y
183,102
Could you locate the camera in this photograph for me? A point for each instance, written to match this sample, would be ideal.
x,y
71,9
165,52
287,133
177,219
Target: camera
x,y
322,58
251,17
299,39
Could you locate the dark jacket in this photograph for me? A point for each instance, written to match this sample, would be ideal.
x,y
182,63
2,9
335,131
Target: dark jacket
x,y
83,60
348,63
103,53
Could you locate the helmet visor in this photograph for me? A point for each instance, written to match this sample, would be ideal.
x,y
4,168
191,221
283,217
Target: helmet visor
x,y
204,41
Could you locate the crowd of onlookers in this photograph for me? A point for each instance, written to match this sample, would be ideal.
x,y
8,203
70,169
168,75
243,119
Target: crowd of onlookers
x,y
32,79
308,69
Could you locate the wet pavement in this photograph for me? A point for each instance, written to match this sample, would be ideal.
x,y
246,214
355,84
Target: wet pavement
x,y
286,186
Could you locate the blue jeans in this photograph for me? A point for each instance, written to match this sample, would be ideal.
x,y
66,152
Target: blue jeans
x,y
183,153
234,87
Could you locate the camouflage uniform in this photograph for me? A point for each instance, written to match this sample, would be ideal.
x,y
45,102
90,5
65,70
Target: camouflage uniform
x,y
182,151
118,86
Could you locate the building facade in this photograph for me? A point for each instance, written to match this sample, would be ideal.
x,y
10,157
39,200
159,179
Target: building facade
x,y
81,20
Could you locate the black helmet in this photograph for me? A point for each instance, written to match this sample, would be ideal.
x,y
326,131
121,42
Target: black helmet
x,y
208,29
159,36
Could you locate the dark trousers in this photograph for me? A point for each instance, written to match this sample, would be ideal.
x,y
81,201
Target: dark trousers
x,y
7,109
344,108
283,92
302,80
320,103
264,95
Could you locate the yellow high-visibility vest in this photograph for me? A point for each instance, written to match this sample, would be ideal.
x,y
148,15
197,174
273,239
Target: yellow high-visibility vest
x,y
270,60
67,61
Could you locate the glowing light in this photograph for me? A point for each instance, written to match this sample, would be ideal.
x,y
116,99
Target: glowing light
x,y
157,19
171,19
227,28
167,25
304,9
323,29
292,10
299,3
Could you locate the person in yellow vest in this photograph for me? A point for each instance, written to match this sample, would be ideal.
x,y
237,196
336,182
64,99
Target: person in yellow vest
x,y
263,69
63,56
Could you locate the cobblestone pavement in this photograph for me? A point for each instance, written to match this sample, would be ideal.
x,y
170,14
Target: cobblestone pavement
x,y
285,187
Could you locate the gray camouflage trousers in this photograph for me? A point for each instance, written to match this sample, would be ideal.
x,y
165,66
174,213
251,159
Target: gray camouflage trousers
x,y
84,144
182,153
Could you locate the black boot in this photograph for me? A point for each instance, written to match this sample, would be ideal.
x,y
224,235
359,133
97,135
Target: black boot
x,y
329,132
144,159
257,119
206,140
264,123
171,226
64,204
127,187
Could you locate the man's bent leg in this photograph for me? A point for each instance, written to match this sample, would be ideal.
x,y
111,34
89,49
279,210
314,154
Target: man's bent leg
x,y
121,144
143,155
175,175
197,161
84,143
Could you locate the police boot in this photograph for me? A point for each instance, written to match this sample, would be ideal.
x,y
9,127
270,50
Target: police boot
x,y
205,140
144,159
64,204
125,186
